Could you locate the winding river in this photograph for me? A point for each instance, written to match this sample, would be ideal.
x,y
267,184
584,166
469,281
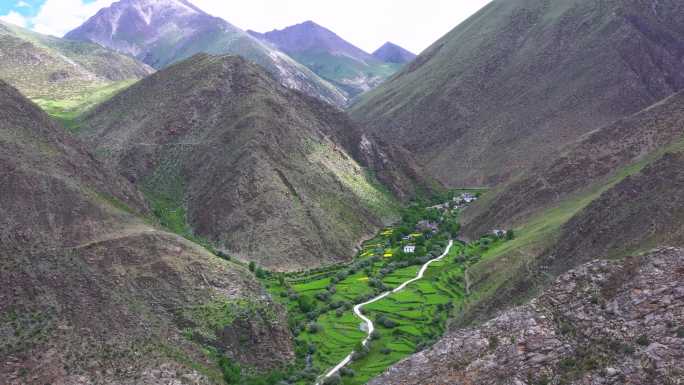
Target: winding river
x,y
369,324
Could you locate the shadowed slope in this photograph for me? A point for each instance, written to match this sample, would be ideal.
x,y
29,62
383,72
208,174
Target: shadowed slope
x,y
522,78
262,171
91,292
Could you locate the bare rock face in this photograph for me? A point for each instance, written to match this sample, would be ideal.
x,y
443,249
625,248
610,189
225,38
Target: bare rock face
x,y
606,322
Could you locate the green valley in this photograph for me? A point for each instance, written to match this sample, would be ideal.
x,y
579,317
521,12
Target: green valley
x,y
320,302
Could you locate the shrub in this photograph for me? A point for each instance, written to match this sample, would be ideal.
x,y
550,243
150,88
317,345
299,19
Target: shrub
x,y
252,266
375,335
643,340
493,342
339,313
223,255
386,322
314,328
347,372
680,332
305,303
385,351
232,374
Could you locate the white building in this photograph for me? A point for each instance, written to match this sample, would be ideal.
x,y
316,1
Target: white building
x,y
500,233
410,249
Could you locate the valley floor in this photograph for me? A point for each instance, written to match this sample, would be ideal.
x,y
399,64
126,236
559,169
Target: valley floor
x,y
414,299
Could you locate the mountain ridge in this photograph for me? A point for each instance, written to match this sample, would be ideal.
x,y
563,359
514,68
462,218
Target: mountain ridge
x,y
167,31
499,75
333,58
392,53
264,172
47,67
94,291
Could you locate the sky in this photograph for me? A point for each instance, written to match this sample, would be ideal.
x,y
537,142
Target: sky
x,y
367,24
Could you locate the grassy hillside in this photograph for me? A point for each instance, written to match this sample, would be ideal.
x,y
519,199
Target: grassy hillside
x,y
611,194
94,292
521,79
348,74
49,68
226,154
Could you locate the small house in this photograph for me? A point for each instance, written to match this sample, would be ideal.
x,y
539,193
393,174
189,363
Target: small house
x,y
410,249
500,233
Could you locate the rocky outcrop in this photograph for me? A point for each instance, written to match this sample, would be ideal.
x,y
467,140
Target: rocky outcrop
x,y
606,322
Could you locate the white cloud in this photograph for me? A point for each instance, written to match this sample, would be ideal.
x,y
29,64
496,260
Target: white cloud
x,y
22,4
57,17
366,23
15,18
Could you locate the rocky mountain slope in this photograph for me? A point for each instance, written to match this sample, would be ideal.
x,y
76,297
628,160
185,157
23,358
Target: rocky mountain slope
x,y
520,79
613,193
392,53
47,67
266,173
348,67
595,161
93,292
163,32
617,322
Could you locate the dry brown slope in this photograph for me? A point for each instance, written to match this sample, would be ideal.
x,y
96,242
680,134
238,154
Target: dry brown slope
x,y
616,322
522,78
91,293
597,159
266,173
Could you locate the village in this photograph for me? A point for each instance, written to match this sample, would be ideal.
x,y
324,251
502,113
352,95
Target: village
x,y
322,302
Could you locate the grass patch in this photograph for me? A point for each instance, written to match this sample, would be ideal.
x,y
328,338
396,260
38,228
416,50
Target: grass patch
x,y
68,110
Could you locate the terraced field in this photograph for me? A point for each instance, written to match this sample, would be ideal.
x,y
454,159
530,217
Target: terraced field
x,y
320,306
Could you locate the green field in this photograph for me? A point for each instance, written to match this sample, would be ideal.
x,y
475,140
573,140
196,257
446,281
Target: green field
x,y
320,302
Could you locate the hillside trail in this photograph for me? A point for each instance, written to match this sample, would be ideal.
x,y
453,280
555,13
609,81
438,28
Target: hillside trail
x,y
370,326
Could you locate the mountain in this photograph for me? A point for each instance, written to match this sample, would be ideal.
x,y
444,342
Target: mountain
x,y
334,59
613,193
606,322
45,67
94,292
596,161
163,32
227,154
392,53
520,79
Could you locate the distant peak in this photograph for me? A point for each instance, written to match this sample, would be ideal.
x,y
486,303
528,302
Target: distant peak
x,y
393,53
180,5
